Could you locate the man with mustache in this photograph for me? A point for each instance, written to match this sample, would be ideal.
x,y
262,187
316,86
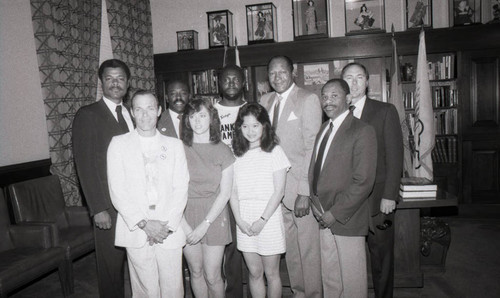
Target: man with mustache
x,y
93,128
341,178
177,96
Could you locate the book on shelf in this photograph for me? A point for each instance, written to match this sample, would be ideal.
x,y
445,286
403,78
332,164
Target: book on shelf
x,y
418,199
417,184
418,194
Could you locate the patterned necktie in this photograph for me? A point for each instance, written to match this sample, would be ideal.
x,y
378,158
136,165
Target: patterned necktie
x,y
276,112
319,158
121,120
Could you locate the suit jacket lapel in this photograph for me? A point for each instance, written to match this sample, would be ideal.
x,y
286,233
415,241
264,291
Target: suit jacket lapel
x,y
367,111
288,108
339,138
171,127
108,117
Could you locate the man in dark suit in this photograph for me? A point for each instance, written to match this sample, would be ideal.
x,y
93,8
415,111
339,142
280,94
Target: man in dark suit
x,y
296,117
341,177
383,117
93,128
178,96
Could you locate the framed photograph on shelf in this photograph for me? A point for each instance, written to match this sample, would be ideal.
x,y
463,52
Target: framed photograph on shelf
x,y
310,19
364,16
418,13
220,28
262,25
187,40
492,12
466,12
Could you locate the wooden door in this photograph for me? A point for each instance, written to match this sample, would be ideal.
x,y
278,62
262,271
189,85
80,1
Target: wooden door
x,y
480,94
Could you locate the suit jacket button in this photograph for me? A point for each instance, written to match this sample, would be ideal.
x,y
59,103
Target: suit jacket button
x,y
163,129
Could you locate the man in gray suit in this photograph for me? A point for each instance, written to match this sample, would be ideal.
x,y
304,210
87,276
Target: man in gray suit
x,y
341,176
178,96
383,117
296,116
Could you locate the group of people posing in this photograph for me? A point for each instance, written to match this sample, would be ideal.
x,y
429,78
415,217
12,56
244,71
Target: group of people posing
x,y
219,183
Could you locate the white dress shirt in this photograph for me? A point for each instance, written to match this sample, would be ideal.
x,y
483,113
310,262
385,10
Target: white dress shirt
x,y
284,97
360,104
336,124
126,115
175,120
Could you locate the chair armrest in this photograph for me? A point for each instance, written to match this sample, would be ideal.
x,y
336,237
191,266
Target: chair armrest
x,y
27,235
78,216
52,227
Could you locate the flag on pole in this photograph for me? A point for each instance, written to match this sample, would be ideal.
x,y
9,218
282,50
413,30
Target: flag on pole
x,y
236,53
424,135
225,55
396,98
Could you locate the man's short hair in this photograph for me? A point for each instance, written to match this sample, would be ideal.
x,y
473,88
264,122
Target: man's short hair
x,y
236,68
143,92
357,64
343,84
287,59
114,63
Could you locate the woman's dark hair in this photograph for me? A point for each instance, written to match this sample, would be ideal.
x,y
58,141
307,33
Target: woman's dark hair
x,y
363,6
268,139
194,107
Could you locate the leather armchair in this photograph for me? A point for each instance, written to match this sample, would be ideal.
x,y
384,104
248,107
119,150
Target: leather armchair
x,y
40,201
26,253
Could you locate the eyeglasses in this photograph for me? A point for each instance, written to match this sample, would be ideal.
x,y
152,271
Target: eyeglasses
x,y
384,226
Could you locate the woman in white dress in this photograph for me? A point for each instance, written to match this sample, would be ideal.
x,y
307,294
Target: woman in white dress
x,y
258,187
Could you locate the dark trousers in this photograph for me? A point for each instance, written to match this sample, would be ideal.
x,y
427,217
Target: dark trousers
x,y
381,247
233,265
110,262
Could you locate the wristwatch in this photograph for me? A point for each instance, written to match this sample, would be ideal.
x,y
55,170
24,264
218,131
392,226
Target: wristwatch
x,y
142,224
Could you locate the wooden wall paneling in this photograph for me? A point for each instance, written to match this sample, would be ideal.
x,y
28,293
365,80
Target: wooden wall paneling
x,y
481,178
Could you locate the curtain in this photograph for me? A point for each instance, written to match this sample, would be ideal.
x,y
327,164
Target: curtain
x,y
132,39
67,35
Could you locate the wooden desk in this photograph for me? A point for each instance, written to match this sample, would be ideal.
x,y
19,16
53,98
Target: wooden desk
x,y
407,271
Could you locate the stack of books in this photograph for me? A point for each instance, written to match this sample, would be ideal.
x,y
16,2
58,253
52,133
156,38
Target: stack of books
x,y
417,189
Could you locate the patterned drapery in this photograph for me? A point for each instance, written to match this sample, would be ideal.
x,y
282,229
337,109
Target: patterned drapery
x,y
131,30
67,36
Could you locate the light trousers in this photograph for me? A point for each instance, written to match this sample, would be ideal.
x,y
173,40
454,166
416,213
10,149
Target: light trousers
x,y
343,265
155,272
303,254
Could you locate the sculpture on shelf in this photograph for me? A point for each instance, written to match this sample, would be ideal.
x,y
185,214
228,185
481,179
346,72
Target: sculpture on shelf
x,y
219,31
417,18
260,33
463,13
311,20
496,12
365,19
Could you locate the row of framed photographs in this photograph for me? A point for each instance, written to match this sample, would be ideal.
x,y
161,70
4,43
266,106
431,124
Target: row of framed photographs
x,y
310,20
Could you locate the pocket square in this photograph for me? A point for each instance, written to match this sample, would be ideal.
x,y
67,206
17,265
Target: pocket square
x,y
292,117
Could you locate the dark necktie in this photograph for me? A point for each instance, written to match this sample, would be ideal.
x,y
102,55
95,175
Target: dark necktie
x,y
121,120
276,112
351,108
319,158
179,116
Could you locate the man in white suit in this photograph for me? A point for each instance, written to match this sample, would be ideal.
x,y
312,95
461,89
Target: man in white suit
x,y
296,117
148,182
